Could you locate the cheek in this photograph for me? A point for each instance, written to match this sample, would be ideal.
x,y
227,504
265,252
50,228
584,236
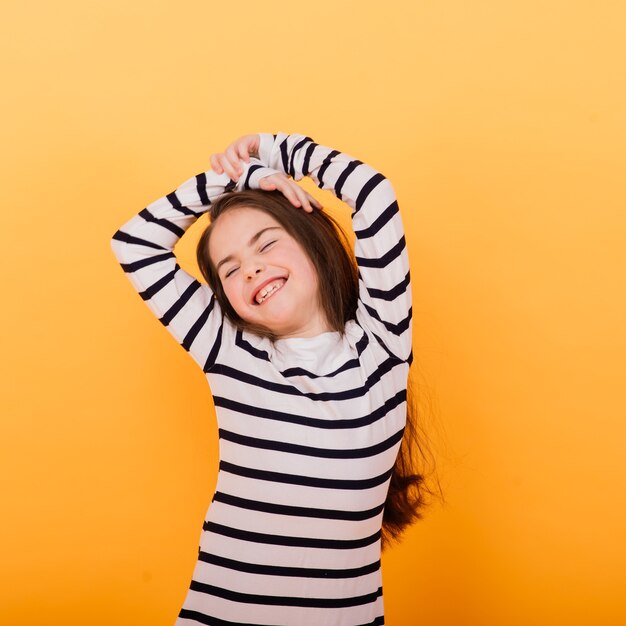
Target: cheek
x,y
304,265
310,272
232,295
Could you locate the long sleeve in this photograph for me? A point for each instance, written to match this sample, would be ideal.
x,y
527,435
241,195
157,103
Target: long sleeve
x,y
144,246
380,248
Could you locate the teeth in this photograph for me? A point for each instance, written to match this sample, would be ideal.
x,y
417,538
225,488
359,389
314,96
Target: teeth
x,y
268,290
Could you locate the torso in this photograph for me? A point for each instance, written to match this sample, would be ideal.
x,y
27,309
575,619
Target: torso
x,y
309,431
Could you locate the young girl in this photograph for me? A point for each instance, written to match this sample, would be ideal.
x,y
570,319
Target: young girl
x,y
307,358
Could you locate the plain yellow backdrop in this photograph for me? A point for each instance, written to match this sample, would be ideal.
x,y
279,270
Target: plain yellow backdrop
x,y
501,125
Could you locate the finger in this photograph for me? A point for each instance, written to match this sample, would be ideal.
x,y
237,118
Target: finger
x,y
289,192
304,199
227,166
266,184
215,164
243,149
229,170
312,202
274,179
249,144
316,203
233,161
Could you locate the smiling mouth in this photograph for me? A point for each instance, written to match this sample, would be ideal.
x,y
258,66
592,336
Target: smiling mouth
x,y
268,290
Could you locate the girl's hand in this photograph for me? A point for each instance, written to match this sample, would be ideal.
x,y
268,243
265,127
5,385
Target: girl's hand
x,y
291,190
229,161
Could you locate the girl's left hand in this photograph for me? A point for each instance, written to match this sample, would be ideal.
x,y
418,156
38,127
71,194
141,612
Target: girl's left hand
x,y
239,150
291,190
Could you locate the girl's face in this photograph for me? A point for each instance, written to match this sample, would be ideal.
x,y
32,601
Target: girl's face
x,y
266,275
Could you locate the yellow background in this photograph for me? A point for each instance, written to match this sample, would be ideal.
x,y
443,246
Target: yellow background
x,y
501,125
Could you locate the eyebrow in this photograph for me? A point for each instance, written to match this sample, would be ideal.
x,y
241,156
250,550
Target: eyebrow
x,y
252,241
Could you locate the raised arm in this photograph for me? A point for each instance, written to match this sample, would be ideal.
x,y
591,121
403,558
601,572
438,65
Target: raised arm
x,y
144,246
384,278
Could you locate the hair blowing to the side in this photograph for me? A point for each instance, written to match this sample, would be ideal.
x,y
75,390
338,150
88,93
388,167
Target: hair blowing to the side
x,y
327,245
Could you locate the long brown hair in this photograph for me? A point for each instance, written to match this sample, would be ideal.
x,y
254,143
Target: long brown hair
x,y
328,247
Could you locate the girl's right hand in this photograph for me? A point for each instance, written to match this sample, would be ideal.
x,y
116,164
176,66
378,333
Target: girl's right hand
x,y
239,150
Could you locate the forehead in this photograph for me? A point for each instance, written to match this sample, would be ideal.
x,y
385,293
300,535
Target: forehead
x,y
234,229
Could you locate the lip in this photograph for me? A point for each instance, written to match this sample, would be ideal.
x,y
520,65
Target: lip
x,y
265,283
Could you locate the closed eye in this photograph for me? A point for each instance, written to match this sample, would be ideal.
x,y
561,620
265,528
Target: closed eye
x,y
230,271
267,245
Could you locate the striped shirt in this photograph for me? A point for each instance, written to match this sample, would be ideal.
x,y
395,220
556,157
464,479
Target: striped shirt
x,y
309,427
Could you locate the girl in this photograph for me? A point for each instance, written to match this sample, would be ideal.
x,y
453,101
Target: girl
x,y
307,357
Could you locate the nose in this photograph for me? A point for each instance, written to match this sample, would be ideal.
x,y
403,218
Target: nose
x,y
252,270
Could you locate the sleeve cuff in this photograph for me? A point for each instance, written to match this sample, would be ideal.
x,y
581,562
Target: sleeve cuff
x,y
253,173
265,148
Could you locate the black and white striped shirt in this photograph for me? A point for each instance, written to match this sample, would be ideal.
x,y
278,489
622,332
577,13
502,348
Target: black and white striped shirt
x,y
309,427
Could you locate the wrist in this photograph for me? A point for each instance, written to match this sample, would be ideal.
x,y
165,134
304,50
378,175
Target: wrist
x,y
266,143
253,172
